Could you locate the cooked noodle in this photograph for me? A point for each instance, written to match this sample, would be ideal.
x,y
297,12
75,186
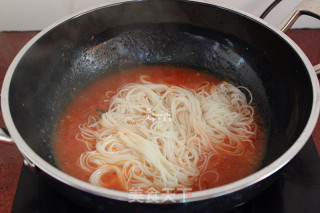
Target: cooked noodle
x,y
161,136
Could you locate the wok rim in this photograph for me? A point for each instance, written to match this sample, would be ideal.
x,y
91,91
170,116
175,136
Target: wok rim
x,y
256,177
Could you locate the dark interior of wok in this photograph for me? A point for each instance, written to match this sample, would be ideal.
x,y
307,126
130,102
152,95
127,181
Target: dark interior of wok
x,y
228,45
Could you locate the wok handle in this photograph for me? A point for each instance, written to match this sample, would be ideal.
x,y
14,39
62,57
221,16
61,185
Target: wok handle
x,y
4,137
306,7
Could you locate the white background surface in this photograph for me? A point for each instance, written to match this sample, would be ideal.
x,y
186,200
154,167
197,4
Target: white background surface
x,y
26,15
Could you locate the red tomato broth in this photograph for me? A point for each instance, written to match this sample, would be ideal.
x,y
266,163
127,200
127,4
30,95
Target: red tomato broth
x,y
68,149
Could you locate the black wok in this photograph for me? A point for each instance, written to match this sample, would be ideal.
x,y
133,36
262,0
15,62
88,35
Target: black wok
x,y
71,54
